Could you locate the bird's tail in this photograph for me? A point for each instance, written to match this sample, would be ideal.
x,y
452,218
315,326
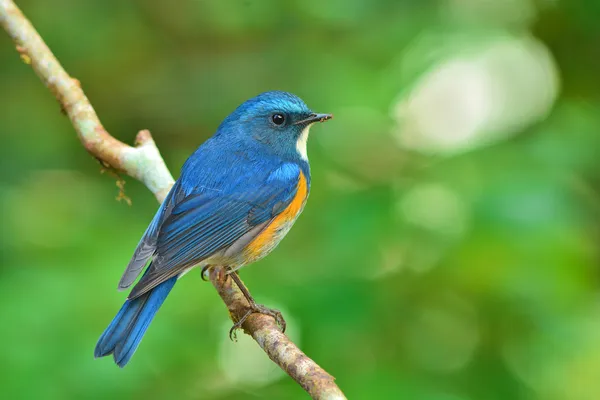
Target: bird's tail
x,y
126,330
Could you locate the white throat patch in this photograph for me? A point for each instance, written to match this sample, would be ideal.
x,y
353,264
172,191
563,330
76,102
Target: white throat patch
x,y
301,143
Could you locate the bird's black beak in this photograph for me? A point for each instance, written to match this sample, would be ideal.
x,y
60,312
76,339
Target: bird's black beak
x,y
312,118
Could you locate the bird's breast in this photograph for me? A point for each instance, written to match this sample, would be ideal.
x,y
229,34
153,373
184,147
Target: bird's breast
x,y
270,237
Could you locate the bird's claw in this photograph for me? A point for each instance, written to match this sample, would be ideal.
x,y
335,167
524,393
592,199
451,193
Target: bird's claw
x,y
272,312
203,273
258,309
238,325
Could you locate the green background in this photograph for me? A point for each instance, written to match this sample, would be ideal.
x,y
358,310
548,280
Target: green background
x,y
436,271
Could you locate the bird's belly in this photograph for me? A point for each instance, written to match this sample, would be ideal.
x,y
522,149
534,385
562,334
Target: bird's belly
x,y
272,234
259,247
266,241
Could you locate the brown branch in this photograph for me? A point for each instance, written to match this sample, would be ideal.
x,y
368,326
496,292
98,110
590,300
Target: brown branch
x,y
145,163
318,383
142,162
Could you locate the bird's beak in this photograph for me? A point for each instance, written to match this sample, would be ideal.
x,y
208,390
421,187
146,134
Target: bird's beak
x,y
314,118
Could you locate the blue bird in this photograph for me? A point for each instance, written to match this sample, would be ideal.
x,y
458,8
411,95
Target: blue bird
x,y
238,195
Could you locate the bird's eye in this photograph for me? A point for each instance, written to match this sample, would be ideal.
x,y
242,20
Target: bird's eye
x,y
278,119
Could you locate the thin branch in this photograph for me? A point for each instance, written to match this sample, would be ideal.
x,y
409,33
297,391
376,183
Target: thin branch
x,y
314,379
145,163
142,162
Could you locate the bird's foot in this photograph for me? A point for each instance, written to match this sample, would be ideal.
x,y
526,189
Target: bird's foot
x,y
258,309
203,273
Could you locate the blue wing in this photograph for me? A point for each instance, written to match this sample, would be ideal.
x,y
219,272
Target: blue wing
x,y
197,224
147,245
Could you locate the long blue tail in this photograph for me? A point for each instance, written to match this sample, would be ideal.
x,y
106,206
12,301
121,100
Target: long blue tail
x,y
125,332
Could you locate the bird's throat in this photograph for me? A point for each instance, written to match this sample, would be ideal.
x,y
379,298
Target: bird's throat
x,y
301,143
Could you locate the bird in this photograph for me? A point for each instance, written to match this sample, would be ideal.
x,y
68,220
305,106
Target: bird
x,y
236,197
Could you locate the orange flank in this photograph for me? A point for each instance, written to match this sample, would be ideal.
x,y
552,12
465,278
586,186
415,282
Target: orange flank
x,y
278,227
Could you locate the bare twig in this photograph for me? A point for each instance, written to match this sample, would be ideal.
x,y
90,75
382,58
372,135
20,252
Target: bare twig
x,y
142,162
145,163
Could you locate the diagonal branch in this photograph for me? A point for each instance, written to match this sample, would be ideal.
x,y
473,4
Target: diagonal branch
x,y
314,379
142,162
145,163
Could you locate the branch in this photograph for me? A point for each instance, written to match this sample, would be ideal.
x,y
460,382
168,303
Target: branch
x,y
142,162
318,383
145,163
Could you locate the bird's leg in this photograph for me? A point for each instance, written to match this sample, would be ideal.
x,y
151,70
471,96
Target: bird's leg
x,y
254,307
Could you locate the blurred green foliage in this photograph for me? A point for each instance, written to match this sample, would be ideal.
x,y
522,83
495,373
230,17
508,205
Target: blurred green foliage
x,y
411,274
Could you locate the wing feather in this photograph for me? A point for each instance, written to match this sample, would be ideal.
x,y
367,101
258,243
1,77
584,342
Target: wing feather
x,y
201,224
147,245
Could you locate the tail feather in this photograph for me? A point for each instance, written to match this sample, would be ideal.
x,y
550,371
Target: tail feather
x,y
125,332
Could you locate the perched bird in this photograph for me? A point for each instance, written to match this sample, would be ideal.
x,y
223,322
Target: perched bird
x,y
238,195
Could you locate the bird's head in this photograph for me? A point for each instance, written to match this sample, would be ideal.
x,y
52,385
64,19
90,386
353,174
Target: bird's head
x,y
279,120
